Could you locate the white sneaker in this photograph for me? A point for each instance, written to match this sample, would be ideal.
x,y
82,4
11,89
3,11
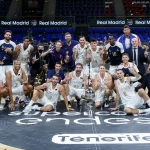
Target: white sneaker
x,y
147,110
27,109
35,107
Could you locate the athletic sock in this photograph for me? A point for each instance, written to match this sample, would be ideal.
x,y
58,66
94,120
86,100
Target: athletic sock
x,y
148,102
30,103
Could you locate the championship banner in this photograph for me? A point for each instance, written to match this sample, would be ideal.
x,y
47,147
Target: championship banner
x,y
40,23
119,22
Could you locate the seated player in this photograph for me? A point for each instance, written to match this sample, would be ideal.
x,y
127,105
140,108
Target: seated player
x,y
102,85
131,100
49,98
77,83
17,84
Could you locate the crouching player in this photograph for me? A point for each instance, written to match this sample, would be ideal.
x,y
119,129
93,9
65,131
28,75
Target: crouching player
x,y
102,85
47,100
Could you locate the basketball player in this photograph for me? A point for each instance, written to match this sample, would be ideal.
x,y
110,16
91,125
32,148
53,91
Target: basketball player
x,y
114,51
102,85
80,51
7,52
95,56
24,51
3,87
77,83
49,98
16,82
125,90
125,65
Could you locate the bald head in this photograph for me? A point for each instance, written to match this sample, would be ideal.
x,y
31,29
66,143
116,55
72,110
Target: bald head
x,y
135,42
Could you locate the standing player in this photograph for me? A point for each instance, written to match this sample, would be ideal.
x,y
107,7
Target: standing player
x,y
16,82
102,85
95,55
126,38
7,52
80,52
114,52
49,98
24,51
125,90
68,50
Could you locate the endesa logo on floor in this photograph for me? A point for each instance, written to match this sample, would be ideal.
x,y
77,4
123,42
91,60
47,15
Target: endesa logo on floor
x,y
121,138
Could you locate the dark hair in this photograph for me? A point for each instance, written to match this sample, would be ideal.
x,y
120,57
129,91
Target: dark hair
x,y
110,35
126,26
58,63
93,40
59,41
120,70
81,37
40,45
26,37
79,64
7,31
56,75
125,54
67,33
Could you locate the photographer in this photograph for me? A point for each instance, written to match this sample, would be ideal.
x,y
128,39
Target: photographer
x,y
37,62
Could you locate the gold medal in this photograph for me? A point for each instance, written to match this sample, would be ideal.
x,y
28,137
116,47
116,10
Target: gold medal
x,y
125,94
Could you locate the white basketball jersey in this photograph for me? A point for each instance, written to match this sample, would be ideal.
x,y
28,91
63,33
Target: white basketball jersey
x,y
76,82
96,60
101,80
81,54
52,94
126,90
24,53
16,78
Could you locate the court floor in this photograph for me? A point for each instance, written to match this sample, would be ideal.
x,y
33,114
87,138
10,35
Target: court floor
x,y
81,129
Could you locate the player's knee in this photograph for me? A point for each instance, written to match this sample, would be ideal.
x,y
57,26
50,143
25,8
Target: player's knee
x,y
49,108
128,111
140,91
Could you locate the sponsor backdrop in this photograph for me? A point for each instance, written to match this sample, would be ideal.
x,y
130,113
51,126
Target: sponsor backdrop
x,y
54,23
119,22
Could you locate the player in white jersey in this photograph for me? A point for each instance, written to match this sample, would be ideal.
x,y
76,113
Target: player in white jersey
x,y
102,85
48,99
80,51
131,100
16,82
3,87
24,51
77,83
95,55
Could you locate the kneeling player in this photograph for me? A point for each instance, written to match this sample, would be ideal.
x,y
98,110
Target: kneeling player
x,y
131,100
49,98
102,85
